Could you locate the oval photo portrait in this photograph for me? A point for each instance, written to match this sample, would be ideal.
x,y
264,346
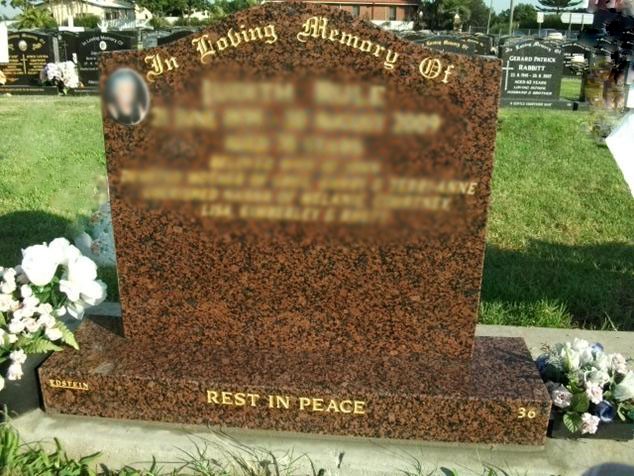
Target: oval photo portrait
x,y
127,97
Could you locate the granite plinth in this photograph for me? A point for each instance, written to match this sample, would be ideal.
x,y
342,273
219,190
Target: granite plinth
x,y
29,90
559,104
497,397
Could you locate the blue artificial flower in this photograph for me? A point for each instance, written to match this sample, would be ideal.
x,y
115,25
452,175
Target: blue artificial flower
x,y
605,411
596,347
542,362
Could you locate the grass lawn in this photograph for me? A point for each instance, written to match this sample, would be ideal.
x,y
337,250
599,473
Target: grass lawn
x,y
570,88
560,243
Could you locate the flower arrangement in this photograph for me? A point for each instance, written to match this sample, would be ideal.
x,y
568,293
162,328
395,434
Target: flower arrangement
x,y
588,385
53,280
63,75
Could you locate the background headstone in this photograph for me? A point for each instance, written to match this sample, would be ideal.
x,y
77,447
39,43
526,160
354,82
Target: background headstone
x,y
4,43
531,73
571,50
29,52
90,44
173,36
452,44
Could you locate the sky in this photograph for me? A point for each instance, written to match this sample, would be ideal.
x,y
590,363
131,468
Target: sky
x,y
498,6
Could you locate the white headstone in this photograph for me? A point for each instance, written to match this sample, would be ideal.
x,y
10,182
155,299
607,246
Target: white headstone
x,y
621,143
577,18
4,43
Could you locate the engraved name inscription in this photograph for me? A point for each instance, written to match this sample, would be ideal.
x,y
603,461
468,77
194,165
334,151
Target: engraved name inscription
x,y
68,384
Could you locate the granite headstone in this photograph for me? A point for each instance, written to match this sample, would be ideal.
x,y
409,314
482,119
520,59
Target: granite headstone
x,y
531,74
91,44
299,202
577,58
29,52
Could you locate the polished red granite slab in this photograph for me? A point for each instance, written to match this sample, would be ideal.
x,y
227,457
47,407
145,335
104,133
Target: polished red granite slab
x,y
497,397
300,229
409,284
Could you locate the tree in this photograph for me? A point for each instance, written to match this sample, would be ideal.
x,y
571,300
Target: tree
x,y
479,13
35,18
87,20
557,5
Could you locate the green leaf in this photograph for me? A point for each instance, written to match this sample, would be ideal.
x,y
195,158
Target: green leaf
x,y
3,320
572,421
67,336
39,346
579,403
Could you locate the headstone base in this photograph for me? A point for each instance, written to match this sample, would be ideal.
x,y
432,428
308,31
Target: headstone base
x,y
561,104
497,398
29,90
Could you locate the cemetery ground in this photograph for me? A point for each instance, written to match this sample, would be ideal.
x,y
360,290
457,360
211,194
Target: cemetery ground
x,y
559,249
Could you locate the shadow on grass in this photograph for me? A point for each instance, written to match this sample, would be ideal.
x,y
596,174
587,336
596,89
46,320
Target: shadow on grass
x,y
21,229
557,285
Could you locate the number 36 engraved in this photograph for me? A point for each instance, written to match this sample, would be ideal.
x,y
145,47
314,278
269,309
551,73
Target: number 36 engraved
x,y
524,412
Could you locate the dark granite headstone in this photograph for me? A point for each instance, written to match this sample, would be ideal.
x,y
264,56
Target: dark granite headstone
x,y
451,44
29,52
571,51
299,202
173,36
531,74
91,44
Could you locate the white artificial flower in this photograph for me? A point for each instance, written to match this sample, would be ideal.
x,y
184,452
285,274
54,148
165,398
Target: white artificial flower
x,y
31,324
32,302
7,287
60,311
70,288
624,390
595,394
560,396
618,363
44,308
580,344
586,356
18,356
1,382
76,309
46,321
571,359
602,361
39,264
64,252
53,333
93,292
12,338
16,325
589,423
14,372
596,377
82,270
9,274
7,303
26,291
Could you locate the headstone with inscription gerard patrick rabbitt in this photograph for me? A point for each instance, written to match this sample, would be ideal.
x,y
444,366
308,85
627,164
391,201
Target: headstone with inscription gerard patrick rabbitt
x,y
531,75
299,202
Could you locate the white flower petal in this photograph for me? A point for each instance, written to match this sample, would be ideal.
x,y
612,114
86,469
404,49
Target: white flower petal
x,y
39,264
